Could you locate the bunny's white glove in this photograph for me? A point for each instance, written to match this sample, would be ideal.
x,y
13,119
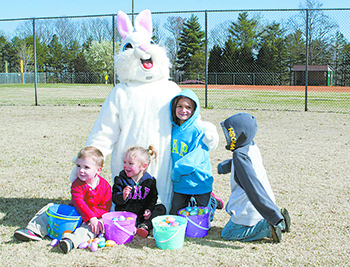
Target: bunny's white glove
x,y
211,136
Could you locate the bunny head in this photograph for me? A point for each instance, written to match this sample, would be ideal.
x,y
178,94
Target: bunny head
x,y
139,59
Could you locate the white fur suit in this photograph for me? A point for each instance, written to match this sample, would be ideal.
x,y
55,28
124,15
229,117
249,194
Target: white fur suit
x,y
137,112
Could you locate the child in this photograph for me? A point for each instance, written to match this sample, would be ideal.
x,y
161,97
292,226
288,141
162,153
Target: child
x,y
135,190
254,214
192,173
91,196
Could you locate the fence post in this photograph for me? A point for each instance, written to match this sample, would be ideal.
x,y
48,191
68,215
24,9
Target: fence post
x,y
206,59
307,56
113,37
35,70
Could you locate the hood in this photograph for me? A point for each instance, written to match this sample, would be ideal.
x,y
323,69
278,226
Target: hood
x,y
239,129
191,95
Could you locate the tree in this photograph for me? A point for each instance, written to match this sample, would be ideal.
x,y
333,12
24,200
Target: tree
x,y
215,60
272,55
174,26
99,57
55,52
240,48
341,60
99,29
191,42
321,29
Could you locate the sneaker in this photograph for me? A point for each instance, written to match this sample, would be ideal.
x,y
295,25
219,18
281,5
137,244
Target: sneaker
x,y
26,235
276,233
287,220
219,202
66,245
142,230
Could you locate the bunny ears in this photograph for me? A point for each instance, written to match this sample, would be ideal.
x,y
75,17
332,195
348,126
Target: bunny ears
x,y
143,22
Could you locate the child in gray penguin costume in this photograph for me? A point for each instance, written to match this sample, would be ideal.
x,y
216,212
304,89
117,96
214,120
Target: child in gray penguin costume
x,y
254,214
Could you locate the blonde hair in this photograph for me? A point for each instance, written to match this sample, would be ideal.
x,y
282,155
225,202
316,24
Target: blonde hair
x,y
141,154
92,152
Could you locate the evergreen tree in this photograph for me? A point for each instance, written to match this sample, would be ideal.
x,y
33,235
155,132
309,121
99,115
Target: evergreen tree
x,y
215,61
55,52
191,43
241,44
272,56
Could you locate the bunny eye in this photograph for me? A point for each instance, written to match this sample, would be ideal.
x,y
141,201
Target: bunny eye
x,y
127,46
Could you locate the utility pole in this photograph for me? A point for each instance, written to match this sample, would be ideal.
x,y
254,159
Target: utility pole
x,y
132,11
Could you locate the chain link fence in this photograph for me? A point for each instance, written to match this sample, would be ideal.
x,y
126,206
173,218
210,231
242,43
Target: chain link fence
x,y
297,59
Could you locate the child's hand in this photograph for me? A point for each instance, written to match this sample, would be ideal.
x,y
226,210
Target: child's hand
x,y
147,214
96,226
126,192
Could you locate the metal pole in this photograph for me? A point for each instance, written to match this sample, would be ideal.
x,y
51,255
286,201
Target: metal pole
x,y
307,57
206,59
132,11
113,33
35,69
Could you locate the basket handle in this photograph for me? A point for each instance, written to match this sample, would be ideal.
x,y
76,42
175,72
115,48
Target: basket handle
x,y
197,225
163,241
123,229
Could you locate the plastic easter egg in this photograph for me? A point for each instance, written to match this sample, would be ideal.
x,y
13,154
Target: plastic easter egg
x,y
187,213
121,218
188,209
102,244
206,211
129,218
114,219
195,208
93,247
96,240
162,223
193,212
83,245
54,242
169,219
200,212
182,212
110,243
101,235
175,224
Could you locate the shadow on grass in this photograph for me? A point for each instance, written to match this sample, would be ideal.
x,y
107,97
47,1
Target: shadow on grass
x,y
213,239
19,211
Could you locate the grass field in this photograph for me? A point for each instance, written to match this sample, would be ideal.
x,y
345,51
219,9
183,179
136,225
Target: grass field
x,y
306,155
325,99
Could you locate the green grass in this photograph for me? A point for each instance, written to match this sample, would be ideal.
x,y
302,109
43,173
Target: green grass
x,y
95,94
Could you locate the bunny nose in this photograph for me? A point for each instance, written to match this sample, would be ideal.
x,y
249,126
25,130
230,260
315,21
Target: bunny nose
x,y
141,51
144,47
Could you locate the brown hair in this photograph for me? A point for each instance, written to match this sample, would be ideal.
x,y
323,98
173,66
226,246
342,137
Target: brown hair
x,y
92,152
174,105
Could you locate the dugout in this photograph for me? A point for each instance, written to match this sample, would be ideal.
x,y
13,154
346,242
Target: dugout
x,y
321,75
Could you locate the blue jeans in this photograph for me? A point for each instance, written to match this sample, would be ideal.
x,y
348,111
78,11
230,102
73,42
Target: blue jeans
x,y
238,232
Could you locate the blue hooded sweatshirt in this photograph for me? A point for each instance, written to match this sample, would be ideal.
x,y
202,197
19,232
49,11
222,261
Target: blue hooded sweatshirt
x,y
192,172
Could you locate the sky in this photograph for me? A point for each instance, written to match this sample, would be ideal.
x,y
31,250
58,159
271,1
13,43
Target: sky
x,y
55,8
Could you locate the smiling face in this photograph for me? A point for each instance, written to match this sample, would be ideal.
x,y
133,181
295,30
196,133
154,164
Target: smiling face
x,y
87,170
133,167
184,109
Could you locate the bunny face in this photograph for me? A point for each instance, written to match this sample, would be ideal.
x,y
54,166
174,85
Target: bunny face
x,y
139,58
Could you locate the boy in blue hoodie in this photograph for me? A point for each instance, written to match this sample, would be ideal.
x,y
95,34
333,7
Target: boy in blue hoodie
x,y
192,172
254,214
